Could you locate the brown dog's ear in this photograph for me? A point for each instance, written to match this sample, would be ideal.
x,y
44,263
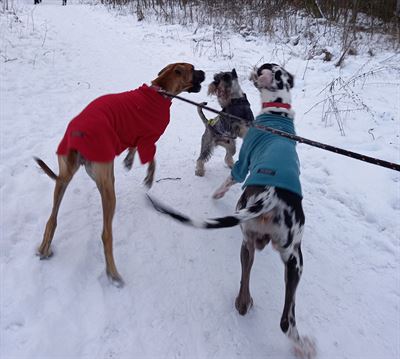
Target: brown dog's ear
x,y
164,69
163,76
179,70
175,77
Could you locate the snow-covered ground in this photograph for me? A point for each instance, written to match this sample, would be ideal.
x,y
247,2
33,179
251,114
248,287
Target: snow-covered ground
x,y
178,301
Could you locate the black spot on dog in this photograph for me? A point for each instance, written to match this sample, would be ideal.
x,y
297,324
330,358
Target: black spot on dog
x,y
223,222
284,325
256,207
289,239
179,217
293,200
288,219
278,99
300,257
292,318
242,203
290,80
292,272
265,67
277,220
278,78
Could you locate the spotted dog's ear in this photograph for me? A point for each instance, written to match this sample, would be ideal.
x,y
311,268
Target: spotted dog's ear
x,y
253,76
290,80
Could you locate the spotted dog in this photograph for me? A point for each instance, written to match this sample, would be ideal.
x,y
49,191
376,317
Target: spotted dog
x,y
223,131
270,207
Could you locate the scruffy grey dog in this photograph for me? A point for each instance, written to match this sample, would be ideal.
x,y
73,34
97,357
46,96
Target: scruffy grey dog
x,y
223,131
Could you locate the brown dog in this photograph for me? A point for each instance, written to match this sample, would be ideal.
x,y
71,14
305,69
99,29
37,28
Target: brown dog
x,y
106,127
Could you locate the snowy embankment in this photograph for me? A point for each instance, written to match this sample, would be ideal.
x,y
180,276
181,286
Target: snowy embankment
x,y
181,283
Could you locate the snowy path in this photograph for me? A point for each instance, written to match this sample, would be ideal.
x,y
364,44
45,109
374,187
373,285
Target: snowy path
x,y
180,283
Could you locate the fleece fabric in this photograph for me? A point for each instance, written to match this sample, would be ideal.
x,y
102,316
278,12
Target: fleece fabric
x,y
112,123
271,159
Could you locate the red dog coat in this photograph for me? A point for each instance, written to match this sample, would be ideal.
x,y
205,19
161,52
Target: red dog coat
x,y
112,123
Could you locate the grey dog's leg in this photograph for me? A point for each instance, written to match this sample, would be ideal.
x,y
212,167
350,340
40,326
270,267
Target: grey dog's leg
x,y
207,147
230,148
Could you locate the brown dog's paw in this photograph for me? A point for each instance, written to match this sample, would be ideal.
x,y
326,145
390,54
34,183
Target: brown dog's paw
x,y
243,305
116,280
43,254
119,283
148,181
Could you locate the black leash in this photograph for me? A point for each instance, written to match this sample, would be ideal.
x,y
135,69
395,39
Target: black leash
x,y
340,151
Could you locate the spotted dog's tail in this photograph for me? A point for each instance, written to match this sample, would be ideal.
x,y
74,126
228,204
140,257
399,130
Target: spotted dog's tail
x,y
257,205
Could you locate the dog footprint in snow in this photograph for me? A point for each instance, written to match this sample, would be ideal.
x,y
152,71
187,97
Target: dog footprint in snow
x,y
14,326
395,203
306,348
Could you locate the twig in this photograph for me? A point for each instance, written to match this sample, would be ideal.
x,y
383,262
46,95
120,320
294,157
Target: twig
x,y
339,63
304,73
84,82
370,132
169,179
7,59
45,36
319,9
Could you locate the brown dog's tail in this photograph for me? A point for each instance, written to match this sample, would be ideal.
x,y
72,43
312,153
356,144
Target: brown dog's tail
x,y
201,114
46,168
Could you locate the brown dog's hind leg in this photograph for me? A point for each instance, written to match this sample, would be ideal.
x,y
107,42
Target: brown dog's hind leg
x,y
67,168
244,301
149,179
104,176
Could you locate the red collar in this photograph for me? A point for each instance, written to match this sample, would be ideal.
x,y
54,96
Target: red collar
x,y
155,87
276,104
158,89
